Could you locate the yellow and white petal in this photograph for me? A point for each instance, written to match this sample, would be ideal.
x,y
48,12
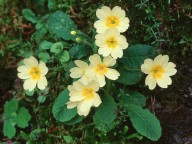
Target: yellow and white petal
x,y
42,83
111,32
76,96
94,85
84,113
24,75
100,26
151,82
170,69
76,72
95,59
146,67
78,85
101,80
117,11
43,68
117,53
161,60
23,69
81,64
124,25
29,84
96,100
100,40
71,104
164,81
103,12
30,62
104,51
109,61
122,42
84,107
112,74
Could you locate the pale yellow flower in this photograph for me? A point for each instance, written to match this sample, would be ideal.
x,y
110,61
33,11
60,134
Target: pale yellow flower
x,y
79,72
83,97
159,71
111,42
33,73
108,18
100,69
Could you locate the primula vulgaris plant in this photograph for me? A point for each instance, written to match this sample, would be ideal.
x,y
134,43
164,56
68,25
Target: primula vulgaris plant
x,y
100,72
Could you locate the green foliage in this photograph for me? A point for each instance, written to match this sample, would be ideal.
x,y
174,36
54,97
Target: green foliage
x,y
14,115
61,25
133,57
60,111
44,56
144,122
133,97
30,16
79,51
44,45
106,113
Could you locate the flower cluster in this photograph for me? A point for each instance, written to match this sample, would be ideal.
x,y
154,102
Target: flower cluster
x,y
92,76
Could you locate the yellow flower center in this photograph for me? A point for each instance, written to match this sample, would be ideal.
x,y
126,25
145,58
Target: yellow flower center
x,y
88,92
101,69
157,71
111,42
35,73
112,21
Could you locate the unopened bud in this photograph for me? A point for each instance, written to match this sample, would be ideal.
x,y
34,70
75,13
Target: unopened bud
x,y
73,32
78,39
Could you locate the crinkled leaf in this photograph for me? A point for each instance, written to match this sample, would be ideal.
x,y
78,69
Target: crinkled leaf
x,y
9,129
23,117
144,122
131,62
78,51
44,56
64,57
57,47
39,34
60,110
52,4
44,45
106,112
61,25
75,120
10,107
30,16
134,97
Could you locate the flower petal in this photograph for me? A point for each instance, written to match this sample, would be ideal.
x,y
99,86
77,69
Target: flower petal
x,y
94,85
161,60
71,104
103,12
170,69
164,81
150,81
84,107
43,68
146,67
81,64
124,24
24,75
109,61
42,83
112,74
117,53
100,26
29,84
30,62
95,59
23,69
101,80
76,72
96,100
104,51
117,11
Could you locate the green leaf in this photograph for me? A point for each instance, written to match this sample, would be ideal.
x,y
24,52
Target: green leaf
x,y
57,47
79,51
68,139
24,135
23,117
9,129
134,97
41,99
106,112
44,45
131,62
52,4
61,25
29,93
30,16
60,110
144,122
103,126
64,57
10,107
39,34
44,56
75,120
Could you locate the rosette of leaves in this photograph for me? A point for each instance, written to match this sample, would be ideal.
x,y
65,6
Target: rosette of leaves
x,y
14,116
